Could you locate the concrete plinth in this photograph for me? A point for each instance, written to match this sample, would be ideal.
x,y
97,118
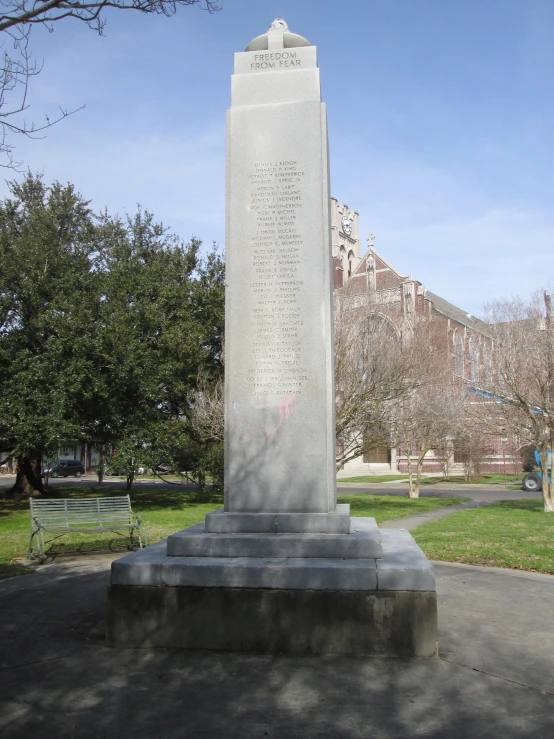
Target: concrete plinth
x,y
385,623
310,604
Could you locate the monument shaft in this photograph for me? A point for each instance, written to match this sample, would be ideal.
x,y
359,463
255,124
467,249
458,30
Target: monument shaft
x,y
279,379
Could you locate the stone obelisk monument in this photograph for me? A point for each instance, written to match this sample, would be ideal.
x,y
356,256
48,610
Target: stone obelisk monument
x,y
279,380
282,568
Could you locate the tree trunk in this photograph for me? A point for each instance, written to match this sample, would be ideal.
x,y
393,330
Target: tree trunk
x,y
546,494
101,465
410,475
547,500
418,473
28,482
547,487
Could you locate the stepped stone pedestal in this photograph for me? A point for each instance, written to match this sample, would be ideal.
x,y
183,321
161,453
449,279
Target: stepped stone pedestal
x,y
282,568
368,592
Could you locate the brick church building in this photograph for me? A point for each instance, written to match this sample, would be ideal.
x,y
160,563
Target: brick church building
x,y
402,299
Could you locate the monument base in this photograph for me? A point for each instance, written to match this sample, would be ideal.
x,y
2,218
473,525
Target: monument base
x,y
288,605
355,622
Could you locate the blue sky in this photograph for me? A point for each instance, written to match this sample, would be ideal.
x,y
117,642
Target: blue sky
x,y
441,120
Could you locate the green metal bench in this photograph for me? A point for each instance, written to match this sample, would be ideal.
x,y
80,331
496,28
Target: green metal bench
x,y
84,515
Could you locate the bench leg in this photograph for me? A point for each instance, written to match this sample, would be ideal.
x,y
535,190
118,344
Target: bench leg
x,y
30,554
141,536
38,546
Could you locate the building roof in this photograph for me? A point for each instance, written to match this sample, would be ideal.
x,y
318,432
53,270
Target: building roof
x,y
358,284
457,314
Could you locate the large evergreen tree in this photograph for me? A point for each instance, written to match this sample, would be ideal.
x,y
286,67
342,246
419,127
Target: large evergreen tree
x,y
48,289
161,327
105,326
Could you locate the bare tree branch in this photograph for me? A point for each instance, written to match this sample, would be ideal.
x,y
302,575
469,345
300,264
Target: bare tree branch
x,y
517,394
206,411
374,371
24,13
17,68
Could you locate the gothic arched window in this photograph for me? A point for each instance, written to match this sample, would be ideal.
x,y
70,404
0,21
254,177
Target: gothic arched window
x,y
379,337
458,354
487,364
473,359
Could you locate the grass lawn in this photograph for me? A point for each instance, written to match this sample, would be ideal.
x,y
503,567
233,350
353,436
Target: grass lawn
x,y
387,507
163,512
373,478
487,479
515,534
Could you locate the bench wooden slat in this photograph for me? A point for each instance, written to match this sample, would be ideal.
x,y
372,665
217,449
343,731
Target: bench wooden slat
x,y
88,530
82,514
91,502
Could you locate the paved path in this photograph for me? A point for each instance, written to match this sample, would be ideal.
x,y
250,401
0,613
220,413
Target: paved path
x,y
477,497
411,522
494,677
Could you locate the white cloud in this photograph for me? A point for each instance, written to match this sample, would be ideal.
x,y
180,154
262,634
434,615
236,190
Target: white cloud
x,y
468,261
179,176
457,237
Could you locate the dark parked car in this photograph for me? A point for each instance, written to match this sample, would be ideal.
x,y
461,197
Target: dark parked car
x,y
66,468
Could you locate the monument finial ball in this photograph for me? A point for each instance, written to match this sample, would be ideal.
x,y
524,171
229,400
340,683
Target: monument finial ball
x,y
281,38
277,24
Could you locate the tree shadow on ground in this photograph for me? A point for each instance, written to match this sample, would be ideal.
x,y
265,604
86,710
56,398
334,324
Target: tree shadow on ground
x,y
151,498
63,677
494,677
144,497
531,506
8,570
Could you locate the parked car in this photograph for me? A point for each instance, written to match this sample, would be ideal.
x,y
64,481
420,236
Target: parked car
x,y
65,468
116,468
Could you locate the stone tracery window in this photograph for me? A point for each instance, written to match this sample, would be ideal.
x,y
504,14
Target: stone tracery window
x,y
378,334
487,364
473,359
458,354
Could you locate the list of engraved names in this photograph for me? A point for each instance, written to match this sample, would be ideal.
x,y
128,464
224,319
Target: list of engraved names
x,y
275,365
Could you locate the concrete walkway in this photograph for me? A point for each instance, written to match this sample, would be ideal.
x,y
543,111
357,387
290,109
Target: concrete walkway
x,y
477,497
412,522
494,677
